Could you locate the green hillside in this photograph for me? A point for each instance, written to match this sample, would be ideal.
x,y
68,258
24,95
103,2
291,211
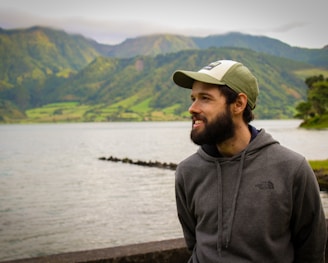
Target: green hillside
x,y
152,45
141,88
49,75
35,58
31,55
141,79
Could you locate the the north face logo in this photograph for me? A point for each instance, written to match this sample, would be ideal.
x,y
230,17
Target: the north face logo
x,y
265,185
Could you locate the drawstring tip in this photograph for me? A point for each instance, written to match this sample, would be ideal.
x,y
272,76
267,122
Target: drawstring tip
x,y
226,244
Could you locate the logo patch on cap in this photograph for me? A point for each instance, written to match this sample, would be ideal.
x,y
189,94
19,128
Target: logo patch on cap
x,y
212,65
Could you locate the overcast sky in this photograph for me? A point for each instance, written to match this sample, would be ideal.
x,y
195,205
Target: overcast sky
x,y
297,23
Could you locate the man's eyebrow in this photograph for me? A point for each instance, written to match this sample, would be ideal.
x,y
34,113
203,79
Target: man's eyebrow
x,y
202,94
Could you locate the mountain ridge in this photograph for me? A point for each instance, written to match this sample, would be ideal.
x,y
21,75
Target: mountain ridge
x,y
317,57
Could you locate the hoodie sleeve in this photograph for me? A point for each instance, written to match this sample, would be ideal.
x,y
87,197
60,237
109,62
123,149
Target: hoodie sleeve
x,y
184,214
308,224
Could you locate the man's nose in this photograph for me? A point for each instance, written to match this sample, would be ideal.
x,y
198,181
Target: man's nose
x,y
194,107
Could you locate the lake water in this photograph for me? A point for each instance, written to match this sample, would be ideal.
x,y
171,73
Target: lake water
x,y
56,196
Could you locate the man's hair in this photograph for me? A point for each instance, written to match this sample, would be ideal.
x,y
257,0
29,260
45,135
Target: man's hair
x,y
231,97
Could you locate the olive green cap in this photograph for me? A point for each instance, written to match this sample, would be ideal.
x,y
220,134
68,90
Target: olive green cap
x,y
223,72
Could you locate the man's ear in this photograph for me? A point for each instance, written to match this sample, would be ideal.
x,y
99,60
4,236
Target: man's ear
x,y
240,103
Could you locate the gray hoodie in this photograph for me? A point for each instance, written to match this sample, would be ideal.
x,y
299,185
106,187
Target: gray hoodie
x,y
262,205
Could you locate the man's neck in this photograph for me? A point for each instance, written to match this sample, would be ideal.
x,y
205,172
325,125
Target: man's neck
x,y
237,143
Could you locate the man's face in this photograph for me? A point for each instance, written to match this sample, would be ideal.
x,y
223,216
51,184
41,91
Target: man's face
x,y
211,117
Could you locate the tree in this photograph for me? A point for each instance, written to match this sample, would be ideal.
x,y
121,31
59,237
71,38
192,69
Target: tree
x,y
315,110
318,96
304,110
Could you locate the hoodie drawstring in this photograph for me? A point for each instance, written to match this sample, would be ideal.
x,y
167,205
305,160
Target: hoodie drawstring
x,y
234,201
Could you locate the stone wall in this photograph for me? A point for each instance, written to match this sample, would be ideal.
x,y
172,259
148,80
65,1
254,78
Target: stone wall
x,y
167,251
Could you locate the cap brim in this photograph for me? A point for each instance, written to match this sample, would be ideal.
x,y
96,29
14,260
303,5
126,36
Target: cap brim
x,y
185,79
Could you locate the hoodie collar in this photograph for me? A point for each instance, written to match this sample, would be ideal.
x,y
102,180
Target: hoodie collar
x,y
213,151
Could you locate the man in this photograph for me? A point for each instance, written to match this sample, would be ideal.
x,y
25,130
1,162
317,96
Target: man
x,y
242,197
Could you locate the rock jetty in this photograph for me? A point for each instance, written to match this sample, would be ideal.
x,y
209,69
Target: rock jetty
x,y
321,174
157,164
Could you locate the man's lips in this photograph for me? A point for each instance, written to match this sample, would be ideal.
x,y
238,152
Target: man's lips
x,y
197,123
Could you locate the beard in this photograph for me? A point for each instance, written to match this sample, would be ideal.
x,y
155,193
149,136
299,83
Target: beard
x,y
216,131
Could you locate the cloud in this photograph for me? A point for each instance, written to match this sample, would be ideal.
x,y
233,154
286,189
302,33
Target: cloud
x,y
110,31
112,26
289,27
15,19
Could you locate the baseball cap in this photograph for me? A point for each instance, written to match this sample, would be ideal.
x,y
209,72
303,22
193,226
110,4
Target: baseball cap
x,y
222,72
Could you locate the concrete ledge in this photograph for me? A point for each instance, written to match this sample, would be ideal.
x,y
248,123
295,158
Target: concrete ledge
x,y
167,251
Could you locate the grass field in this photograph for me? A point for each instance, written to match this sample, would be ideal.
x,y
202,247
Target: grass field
x,y
320,164
311,72
320,168
124,110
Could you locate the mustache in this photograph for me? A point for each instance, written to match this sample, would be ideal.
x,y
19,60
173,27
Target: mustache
x,y
197,116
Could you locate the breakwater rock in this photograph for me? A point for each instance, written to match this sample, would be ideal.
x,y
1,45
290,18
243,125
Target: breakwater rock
x,y
162,165
321,174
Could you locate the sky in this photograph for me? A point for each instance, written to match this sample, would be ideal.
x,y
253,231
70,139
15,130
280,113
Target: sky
x,y
297,23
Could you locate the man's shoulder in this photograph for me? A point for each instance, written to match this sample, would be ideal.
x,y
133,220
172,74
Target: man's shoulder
x,y
285,153
189,160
